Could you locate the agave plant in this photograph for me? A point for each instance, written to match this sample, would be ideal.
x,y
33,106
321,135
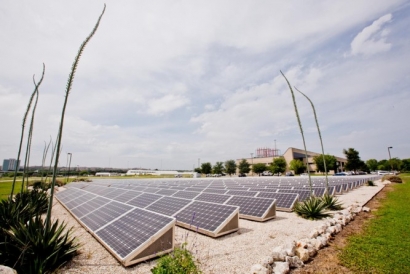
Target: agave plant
x,y
312,208
331,202
34,247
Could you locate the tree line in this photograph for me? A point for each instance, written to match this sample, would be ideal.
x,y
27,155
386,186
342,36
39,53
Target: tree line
x,y
279,165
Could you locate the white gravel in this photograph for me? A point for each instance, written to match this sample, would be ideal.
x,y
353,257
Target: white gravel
x,y
233,253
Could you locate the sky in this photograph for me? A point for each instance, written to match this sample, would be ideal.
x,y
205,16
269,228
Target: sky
x,y
170,84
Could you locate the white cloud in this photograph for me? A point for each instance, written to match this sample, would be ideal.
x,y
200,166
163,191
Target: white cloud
x,y
372,39
168,103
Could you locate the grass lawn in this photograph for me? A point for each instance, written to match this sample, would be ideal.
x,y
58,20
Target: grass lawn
x,y
384,245
5,187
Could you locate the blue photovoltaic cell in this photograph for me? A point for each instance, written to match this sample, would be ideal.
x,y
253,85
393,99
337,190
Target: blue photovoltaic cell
x,y
212,198
283,200
251,206
204,215
144,200
214,190
186,194
166,192
168,205
115,193
132,230
130,194
104,215
84,197
89,206
242,193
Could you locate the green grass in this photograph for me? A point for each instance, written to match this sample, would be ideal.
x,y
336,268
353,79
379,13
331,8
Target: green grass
x,y
383,247
5,188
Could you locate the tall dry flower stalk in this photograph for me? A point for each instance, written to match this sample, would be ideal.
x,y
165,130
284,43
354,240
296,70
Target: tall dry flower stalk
x,y
301,131
60,130
22,132
320,137
30,137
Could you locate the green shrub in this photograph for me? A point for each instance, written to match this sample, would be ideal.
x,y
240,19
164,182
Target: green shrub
x,y
331,202
370,183
25,205
392,178
312,208
33,247
40,185
180,261
37,200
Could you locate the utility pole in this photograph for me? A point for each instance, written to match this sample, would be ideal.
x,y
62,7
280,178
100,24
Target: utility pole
x,y
391,164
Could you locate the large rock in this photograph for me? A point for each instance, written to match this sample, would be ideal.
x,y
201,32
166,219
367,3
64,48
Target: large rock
x,y
294,262
7,270
290,248
312,251
281,268
313,234
302,253
278,254
259,269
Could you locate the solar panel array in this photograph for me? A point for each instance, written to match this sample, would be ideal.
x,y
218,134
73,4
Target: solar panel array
x,y
131,234
135,219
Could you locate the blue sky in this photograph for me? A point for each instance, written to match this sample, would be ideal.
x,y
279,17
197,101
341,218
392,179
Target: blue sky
x,y
163,84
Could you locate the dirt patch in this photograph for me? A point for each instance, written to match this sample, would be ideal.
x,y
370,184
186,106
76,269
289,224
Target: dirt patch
x,y
326,261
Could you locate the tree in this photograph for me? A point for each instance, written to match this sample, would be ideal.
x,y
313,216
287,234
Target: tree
x,y
218,168
244,166
405,165
198,170
353,159
395,164
383,165
372,164
259,168
278,165
297,166
230,167
330,162
206,168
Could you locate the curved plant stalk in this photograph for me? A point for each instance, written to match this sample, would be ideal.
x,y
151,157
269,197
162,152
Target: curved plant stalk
x,y
43,161
53,151
22,133
60,130
320,137
301,131
30,136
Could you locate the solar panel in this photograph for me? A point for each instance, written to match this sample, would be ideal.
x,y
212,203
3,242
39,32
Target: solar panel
x,y
208,218
242,193
105,214
144,200
81,198
284,201
258,209
212,198
138,236
214,190
186,194
123,198
303,194
89,206
168,205
167,192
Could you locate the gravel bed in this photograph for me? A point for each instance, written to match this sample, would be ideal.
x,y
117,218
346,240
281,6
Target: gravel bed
x,y
233,253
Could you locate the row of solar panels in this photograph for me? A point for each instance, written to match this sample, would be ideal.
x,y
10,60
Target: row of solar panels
x,y
133,234
252,208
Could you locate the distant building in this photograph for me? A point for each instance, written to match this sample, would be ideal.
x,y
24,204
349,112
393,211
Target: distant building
x,y
10,164
291,154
